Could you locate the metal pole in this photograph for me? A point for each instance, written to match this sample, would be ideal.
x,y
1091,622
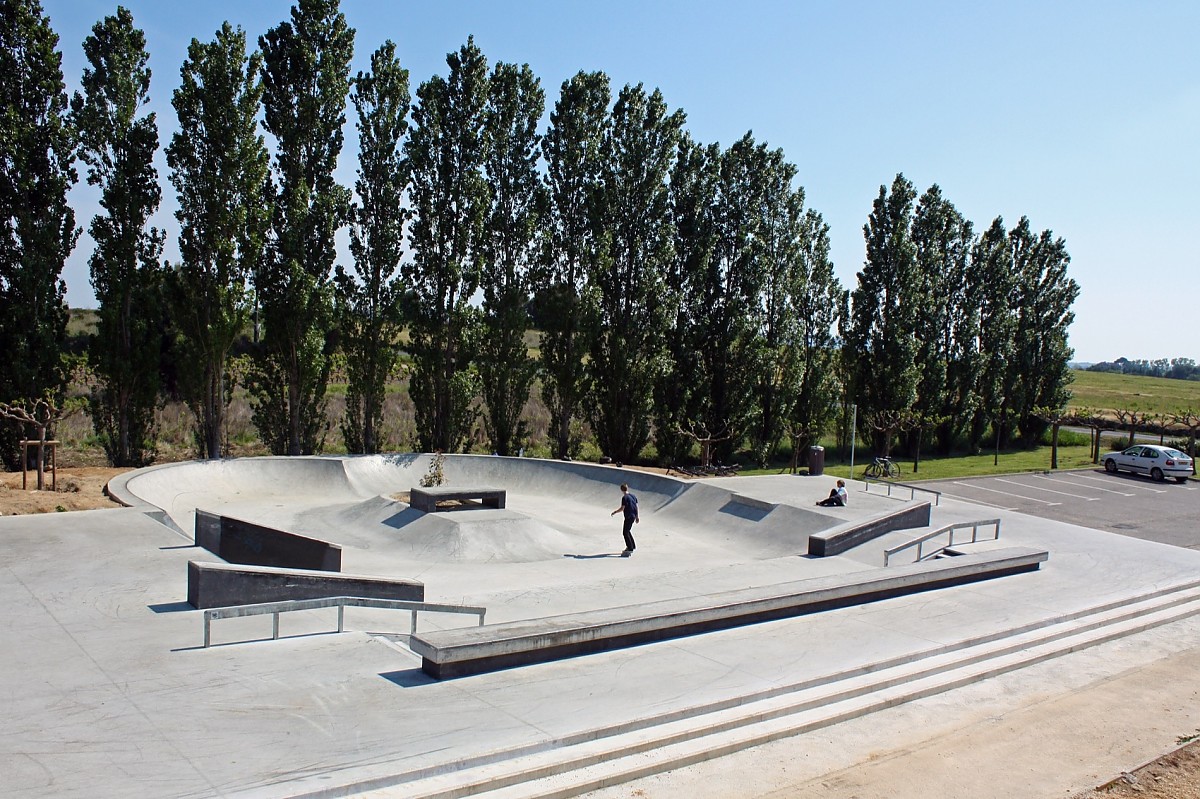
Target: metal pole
x,y
996,459
853,434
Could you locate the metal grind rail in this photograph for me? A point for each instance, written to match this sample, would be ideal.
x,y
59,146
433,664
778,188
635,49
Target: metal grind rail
x,y
339,602
920,542
912,489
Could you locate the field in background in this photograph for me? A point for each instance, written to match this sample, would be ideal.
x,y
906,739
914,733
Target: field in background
x,y
1156,395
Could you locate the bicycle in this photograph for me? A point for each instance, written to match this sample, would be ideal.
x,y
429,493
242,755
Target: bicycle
x,y
882,467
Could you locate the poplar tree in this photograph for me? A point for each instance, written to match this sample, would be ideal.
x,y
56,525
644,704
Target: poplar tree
x,y
681,393
514,109
799,388
628,355
880,337
370,301
306,80
992,269
447,153
36,172
118,146
574,249
218,168
1040,370
727,302
947,318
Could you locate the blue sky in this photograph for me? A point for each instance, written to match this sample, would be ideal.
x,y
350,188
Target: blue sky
x,y
1083,116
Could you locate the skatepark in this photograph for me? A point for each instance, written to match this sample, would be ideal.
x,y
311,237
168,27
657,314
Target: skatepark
x,y
111,691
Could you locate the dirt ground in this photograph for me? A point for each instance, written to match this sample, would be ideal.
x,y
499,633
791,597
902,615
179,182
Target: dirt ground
x,y
1176,775
78,488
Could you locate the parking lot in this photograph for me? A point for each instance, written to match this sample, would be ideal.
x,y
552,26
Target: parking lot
x,y
1166,512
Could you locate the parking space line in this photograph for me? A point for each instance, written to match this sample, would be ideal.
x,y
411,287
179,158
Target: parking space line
x,y
1092,488
1130,484
1006,493
1047,490
976,501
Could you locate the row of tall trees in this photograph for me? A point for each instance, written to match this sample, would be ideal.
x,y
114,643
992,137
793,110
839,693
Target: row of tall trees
x,y
953,332
38,225
682,292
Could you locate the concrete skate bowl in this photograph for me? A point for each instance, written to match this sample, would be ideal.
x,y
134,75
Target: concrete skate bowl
x,y
554,507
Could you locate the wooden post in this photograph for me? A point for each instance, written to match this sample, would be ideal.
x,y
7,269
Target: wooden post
x,y
41,467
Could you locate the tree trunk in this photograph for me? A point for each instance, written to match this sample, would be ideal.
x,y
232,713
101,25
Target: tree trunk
x,y
1054,446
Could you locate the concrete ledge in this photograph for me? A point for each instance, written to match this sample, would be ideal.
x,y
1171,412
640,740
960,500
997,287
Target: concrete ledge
x,y
460,652
219,585
426,499
238,541
851,534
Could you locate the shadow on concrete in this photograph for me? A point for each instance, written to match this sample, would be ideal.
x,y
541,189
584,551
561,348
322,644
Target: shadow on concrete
x,y
590,557
408,678
403,518
170,607
744,511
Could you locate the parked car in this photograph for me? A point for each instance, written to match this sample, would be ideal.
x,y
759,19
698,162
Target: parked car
x,y
1151,459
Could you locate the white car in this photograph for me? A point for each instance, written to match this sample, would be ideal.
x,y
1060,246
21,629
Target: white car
x,y
1158,462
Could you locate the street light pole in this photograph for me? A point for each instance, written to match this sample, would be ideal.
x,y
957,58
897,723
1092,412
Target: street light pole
x,y
996,458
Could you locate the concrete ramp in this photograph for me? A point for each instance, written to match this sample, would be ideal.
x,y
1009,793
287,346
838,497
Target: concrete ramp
x,y
555,508
476,536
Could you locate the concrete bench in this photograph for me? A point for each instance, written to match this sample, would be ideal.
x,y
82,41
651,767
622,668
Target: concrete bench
x,y
426,499
847,536
459,652
219,585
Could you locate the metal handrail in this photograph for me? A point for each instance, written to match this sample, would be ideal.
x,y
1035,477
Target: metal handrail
x,y
339,602
911,488
919,542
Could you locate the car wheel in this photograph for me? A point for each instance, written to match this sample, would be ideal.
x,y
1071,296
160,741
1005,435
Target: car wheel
x,y
1157,474
1110,466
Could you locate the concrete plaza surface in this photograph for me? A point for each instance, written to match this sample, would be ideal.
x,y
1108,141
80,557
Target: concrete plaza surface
x,y
108,692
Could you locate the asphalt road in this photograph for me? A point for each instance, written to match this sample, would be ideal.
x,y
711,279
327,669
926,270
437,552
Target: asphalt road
x,y
1131,505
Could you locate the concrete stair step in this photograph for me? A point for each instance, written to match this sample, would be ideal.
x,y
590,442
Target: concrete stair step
x,y
641,747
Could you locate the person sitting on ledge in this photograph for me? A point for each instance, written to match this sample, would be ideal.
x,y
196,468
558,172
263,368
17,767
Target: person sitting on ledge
x,y
837,496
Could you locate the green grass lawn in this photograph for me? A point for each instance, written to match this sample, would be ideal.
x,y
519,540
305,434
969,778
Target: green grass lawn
x,y
935,468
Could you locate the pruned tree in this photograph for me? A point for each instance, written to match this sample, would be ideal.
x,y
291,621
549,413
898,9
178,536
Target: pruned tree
x,y
218,167
1189,419
446,151
574,249
699,433
119,146
1096,422
37,149
306,80
1132,419
514,109
370,300
40,415
1056,418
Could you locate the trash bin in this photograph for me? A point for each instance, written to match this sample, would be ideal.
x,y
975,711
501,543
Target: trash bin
x,y
816,461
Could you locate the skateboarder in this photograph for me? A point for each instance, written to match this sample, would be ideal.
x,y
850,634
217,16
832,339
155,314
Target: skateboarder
x,y
837,496
629,505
